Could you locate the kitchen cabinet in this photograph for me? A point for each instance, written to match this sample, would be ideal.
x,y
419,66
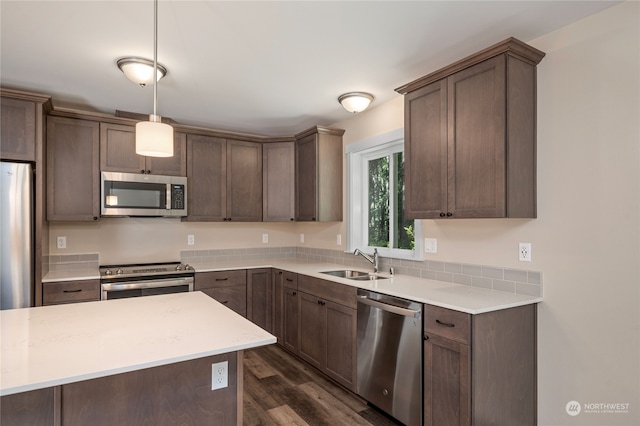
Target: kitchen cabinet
x,y
480,368
291,302
278,182
227,287
225,179
260,298
73,178
470,137
18,129
118,153
327,321
319,175
54,293
278,280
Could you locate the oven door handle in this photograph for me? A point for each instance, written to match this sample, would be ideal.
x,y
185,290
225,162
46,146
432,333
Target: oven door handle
x,y
389,308
129,285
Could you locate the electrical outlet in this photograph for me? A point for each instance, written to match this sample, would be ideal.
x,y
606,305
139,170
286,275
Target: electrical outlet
x,y
62,242
524,252
265,238
302,238
191,240
219,375
430,245
339,239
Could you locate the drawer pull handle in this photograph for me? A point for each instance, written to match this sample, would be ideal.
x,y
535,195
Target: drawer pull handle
x,y
446,324
289,279
225,302
321,303
222,279
72,291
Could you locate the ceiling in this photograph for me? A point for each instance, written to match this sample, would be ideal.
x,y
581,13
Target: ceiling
x,y
268,68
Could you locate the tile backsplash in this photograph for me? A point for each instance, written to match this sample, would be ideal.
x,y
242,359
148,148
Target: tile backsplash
x,y
491,277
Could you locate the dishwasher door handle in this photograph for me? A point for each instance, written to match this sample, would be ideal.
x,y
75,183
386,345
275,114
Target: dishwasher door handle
x,y
389,308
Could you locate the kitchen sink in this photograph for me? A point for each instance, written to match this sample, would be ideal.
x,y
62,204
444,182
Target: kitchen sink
x,y
354,275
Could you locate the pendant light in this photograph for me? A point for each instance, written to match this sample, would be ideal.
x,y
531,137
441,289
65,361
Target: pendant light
x,y
154,138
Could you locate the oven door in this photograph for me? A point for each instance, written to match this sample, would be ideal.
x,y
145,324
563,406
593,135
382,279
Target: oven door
x,y
121,290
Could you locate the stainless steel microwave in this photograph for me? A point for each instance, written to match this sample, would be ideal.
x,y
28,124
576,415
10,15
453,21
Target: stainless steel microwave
x,y
131,194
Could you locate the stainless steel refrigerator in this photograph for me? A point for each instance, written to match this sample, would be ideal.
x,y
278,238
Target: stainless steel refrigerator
x,y
16,235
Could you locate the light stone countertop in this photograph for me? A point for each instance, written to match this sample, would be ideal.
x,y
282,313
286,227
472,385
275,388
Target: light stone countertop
x,y
54,345
463,298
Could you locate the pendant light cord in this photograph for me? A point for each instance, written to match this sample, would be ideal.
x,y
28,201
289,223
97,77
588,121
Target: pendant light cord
x,y
155,59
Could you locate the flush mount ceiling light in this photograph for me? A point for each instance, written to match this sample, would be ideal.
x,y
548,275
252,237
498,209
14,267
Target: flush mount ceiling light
x,y
154,138
355,102
140,70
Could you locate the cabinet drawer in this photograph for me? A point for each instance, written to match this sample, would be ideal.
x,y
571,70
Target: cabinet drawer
x,y
219,279
70,291
235,298
290,280
338,293
453,325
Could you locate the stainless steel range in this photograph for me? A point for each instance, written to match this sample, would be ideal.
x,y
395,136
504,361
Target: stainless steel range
x,y
145,279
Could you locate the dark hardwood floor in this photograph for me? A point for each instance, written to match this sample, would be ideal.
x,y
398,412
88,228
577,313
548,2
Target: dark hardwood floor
x,y
279,389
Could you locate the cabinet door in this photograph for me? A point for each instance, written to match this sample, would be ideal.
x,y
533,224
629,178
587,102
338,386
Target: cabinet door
x,y
73,174
306,179
18,130
341,344
447,382
278,182
171,166
290,327
207,174
259,298
313,339
425,151
244,181
277,284
118,149
477,157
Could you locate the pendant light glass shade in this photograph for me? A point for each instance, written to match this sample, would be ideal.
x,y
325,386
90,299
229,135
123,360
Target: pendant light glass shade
x,y
154,139
355,101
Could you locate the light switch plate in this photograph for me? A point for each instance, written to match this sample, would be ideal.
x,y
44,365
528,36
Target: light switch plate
x,y
430,245
302,238
265,238
191,239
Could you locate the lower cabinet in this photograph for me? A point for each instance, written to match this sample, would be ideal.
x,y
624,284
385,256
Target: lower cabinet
x,y
54,293
480,369
327,323
227,287
259,298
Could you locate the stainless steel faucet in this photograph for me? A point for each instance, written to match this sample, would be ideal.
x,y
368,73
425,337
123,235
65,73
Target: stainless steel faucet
x,y
373,260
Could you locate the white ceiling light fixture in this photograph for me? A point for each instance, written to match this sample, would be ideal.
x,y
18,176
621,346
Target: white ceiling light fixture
x,y
140,70
355,102
154,138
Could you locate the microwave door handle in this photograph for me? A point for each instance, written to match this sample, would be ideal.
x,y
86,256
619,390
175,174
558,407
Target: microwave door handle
x,y
168,206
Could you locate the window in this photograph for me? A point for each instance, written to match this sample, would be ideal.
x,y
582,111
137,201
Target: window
x,y
376,198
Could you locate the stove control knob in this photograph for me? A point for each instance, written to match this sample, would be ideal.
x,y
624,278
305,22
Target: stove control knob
x,y
179,268
108,272
119,271
187,267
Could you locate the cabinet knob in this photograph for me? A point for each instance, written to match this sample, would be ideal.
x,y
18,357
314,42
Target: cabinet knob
x,y
442,215
291,219
142,171
449,214
95,218
148,172
313,219
426,338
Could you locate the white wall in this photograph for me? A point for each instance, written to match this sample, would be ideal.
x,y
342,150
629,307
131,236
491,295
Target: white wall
x,y
586,239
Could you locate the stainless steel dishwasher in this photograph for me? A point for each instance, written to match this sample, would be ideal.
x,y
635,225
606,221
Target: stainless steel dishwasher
x,y
389,355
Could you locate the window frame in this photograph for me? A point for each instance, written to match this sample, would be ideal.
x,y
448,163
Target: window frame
x,y
358,154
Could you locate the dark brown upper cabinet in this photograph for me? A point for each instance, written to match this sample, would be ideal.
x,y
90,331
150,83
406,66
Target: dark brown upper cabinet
x,y
319,157
118,153
470,136
18,129
225,179
73,178
278,182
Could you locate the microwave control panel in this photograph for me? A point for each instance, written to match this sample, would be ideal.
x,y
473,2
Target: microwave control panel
x,y
177,199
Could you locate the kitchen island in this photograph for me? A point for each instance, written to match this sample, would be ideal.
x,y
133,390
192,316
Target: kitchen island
x,y
128,361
